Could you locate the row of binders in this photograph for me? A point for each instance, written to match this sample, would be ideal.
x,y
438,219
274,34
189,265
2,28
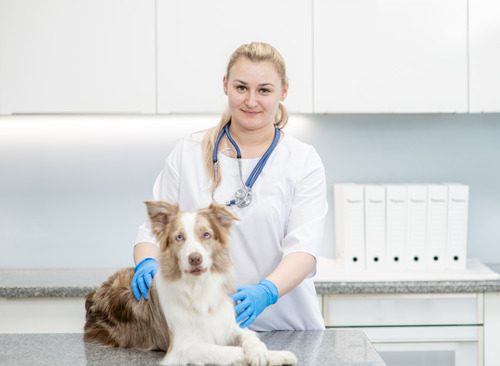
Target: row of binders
x,y
401,227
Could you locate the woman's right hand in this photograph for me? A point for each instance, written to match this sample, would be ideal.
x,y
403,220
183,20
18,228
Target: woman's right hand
x,y
144,272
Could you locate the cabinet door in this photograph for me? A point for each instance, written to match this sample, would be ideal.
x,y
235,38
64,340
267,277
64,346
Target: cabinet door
x,y
451,349
42,315
429,346
196,39
390,56
402,309
79,56
491,328
484,29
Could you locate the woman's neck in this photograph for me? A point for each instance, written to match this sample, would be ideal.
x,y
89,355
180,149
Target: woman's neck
x,y
252,143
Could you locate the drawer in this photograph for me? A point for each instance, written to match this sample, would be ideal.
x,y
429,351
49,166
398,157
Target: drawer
x,y
430,346
403,309
42,315
431,334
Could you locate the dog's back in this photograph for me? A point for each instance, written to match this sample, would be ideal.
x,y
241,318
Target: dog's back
x,y
115,318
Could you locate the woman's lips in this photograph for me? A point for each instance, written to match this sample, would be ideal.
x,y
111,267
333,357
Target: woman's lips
x,y
251,113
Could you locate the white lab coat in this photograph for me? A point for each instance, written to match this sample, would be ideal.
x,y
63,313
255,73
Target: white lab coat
x,y
286,215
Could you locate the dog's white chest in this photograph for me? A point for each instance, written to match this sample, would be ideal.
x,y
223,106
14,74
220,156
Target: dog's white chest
x,y
203,312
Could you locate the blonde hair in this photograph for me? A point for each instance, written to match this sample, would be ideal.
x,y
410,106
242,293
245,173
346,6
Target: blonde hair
x,y
256,52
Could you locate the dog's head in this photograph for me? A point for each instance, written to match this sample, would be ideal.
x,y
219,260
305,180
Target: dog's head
x,y
191,243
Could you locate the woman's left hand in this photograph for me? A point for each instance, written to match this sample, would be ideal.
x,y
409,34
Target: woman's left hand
x,y
251,300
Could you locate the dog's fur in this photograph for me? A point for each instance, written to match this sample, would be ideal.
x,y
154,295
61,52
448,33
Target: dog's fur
x,y
189,314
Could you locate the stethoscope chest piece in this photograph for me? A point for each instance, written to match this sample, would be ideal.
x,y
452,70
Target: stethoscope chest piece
x,y
243,197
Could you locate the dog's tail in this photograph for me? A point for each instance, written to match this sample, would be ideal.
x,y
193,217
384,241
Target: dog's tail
x,y
94,330
89,301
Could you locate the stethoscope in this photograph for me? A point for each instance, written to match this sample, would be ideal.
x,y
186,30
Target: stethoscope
x,y
243,196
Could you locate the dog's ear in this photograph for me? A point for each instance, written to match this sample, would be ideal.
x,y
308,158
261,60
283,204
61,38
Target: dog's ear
x,y
160,215
222,215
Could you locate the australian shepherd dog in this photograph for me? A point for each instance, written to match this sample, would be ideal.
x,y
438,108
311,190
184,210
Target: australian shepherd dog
x,y
189,314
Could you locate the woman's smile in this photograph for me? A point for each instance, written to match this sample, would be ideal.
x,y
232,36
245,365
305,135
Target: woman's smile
x,y
250,113
254,91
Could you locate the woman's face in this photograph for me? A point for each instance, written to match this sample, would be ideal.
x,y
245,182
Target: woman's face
x,y
254,92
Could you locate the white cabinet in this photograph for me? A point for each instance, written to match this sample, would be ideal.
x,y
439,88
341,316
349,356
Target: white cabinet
x,y
491,328
415,329
484,54
403,309
42,315
429,346
79,56
390,56
160,56
196,39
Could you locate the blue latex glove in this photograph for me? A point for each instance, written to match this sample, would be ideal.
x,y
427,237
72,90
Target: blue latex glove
x,y
252,300
144,272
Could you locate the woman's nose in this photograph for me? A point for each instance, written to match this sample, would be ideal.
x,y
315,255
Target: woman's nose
x,y
251,100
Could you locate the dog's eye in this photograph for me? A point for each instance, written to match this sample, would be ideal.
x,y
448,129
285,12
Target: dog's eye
x,y
207,235
179,237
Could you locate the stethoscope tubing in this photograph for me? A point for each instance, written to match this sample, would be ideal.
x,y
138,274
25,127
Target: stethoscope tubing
x,y
247,186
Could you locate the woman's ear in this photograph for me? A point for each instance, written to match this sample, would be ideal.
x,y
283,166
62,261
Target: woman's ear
x,y
284,92
224,83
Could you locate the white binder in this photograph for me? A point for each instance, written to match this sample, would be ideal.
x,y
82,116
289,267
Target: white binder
x,y
458,207
375,227
349,225
437,226
396,226
417,227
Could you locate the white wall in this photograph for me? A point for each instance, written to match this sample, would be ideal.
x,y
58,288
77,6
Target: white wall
x,y
72,187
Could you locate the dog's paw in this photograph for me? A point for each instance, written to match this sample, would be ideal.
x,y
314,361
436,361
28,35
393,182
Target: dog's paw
x,y
256,355
281,358
233,356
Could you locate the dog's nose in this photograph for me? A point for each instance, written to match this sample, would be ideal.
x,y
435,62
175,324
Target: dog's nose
x,y
195,259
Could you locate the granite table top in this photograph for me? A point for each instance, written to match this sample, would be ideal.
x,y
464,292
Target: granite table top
x,y
24,283
476,278
339,347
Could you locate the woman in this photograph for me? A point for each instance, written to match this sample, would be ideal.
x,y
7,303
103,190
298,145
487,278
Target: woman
x,y
280,196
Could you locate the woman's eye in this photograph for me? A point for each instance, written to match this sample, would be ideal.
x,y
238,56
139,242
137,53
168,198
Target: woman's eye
x,y
241,88
179,237
207,235
265,91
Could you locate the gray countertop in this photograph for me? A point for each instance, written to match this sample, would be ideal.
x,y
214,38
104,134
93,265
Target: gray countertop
x,y
406,287
476,278
330,347
23,283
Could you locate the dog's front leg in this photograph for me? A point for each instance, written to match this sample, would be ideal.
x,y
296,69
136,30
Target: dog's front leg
x,y
205,353
255,350
257,354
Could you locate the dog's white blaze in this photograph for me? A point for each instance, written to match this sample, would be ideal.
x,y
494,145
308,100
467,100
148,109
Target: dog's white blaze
x,y
192,244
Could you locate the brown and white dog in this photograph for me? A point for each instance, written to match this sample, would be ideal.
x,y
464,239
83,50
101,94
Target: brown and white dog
x,y
189,313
